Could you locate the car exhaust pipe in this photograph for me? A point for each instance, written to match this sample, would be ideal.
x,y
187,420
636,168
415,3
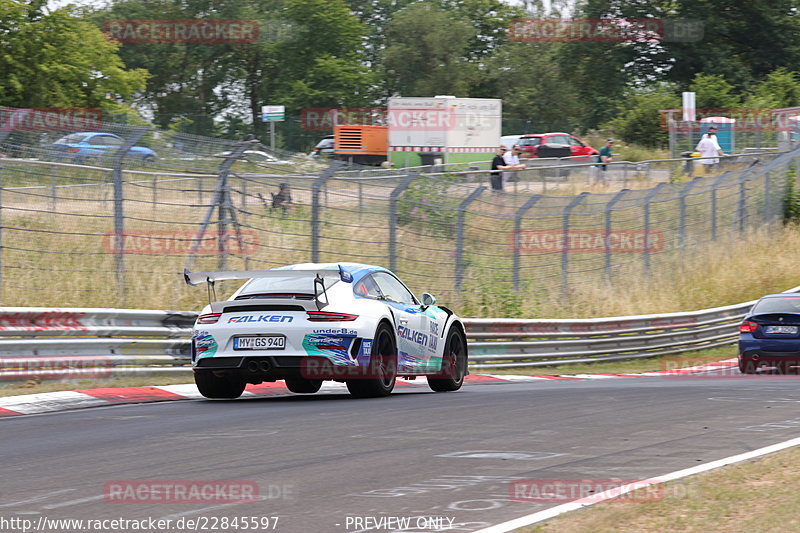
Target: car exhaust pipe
x,y
252,366
265,366
755,358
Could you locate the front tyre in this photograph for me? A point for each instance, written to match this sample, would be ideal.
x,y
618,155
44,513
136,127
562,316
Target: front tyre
x,y
303,385
454,364
382,372
212,386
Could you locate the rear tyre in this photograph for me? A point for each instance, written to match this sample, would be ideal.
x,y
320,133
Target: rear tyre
x,y
454,364
382,372
212,386
747,367
303,385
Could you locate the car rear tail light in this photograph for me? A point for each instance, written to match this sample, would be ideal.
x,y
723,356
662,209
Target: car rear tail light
x,y
210,318
324,316
748,327
72,150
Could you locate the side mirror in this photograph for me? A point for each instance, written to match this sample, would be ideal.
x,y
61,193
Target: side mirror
x,y
427,300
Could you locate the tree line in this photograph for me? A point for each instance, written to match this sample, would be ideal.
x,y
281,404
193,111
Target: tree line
x,y
356,53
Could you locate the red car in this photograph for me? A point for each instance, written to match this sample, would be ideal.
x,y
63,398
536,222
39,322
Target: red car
x,y
529,144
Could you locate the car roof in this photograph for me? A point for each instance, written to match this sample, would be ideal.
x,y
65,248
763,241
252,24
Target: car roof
x,y
782,295
357,270
529,135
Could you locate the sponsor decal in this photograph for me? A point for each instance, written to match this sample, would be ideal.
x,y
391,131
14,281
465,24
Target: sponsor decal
x,y
170,242
260,318
586,241
336,331
417,337
182,31
51,119
204,344
332,346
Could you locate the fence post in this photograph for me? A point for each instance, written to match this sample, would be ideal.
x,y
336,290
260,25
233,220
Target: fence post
x,y
517,227
218,201
316,187
119,217
565,242
741,214
393,196
647,200
462,210
714,189
607,212
682,211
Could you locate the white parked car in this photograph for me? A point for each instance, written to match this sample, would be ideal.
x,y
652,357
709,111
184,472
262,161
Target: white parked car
x,y
257,157
348,322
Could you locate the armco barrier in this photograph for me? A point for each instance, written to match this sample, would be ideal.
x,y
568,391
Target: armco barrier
x,y
41,343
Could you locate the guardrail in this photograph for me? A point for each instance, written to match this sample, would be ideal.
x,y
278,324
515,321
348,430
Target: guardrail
x,y
43,343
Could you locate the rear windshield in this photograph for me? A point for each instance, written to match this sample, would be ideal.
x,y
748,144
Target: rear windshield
x,y
73,138
790,304
289,284
530,141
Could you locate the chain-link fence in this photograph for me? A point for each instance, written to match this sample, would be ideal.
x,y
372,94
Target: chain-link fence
x,y
119,232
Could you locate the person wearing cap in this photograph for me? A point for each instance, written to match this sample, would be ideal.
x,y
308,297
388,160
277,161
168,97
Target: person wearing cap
x,y
605,156
512,162
498,164
709,150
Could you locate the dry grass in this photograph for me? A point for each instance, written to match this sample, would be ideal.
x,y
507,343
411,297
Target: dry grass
x,y
759,495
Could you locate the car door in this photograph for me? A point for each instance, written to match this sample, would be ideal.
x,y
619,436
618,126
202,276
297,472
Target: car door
x,y
577,148
413,342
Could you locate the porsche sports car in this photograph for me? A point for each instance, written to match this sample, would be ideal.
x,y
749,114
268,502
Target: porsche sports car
x,y
347,322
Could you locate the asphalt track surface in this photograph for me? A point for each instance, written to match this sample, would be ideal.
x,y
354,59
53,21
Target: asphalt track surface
x,y
329,463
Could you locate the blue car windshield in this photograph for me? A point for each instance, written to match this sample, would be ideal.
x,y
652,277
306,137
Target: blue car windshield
x,y
73,138
790,304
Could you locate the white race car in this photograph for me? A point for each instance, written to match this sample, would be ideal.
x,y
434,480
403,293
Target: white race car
x,y
348,322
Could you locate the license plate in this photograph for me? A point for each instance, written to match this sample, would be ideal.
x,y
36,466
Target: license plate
x,y
792,330
261,342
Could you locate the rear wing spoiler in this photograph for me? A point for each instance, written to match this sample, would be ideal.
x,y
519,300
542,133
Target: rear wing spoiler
x,y
195,278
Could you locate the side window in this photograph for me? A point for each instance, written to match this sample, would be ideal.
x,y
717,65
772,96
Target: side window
x,y
575,142
558,139
393,290
367,288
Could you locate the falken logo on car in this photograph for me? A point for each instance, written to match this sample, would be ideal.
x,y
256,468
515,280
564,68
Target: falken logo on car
x,y
260,318
412,335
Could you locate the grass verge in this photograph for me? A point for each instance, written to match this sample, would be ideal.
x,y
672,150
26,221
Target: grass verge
x,y
759,495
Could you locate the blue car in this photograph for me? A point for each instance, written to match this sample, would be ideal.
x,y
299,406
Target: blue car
x,y
86,147
770,334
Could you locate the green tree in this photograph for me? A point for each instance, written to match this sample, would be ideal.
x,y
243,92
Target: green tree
x,y
58,60
714,92
639,120
781,88
427,52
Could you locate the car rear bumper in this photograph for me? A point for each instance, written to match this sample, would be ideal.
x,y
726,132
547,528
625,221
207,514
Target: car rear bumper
x,y
763,356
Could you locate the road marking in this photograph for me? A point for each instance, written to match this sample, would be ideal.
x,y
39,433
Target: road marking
x,y
547,514
36,498
490,454
73,502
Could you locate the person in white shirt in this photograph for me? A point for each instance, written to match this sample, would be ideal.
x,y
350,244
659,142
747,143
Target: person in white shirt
x,y
511,158
709,150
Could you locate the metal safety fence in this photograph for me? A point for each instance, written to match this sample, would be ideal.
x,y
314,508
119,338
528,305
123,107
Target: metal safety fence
x,y
42,343
111,231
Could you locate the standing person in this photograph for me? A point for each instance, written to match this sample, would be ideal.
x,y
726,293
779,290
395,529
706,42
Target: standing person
x,y
498,164
605,156
511,159
709,150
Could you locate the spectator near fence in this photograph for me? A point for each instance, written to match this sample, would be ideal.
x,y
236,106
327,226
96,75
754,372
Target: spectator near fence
x,y
498,164
511,159
709,150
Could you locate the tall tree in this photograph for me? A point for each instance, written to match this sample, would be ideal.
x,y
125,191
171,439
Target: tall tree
x,y
56,59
